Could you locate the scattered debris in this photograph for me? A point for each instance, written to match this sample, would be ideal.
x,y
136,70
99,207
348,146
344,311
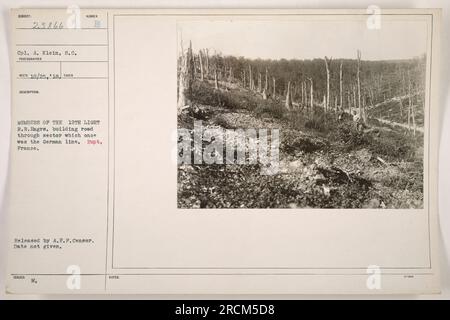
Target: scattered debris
x,y
316,171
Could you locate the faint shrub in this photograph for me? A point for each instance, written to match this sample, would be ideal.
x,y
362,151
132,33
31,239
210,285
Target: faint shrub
x,y
323,122
393,145
351,138
294,145
270,108
315,123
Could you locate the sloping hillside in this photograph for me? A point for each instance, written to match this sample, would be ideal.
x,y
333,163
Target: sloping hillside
x,y
325,162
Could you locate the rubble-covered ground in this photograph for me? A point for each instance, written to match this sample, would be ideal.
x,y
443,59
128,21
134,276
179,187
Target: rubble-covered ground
x,y
324,161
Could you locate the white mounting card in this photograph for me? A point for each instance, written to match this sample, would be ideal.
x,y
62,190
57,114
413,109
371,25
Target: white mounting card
x,y
224,151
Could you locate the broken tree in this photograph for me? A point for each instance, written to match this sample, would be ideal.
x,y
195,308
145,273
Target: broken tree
x,y
200,54
327,66
288,102
274,86
358,81
185,79
312,97
340,87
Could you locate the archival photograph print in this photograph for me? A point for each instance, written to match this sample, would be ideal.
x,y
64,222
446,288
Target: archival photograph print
x,y
301,113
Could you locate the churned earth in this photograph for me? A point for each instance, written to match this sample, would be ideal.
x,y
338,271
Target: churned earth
x,y
339,168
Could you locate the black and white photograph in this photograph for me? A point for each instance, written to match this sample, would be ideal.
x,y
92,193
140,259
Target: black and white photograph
x,y
233,151
301,113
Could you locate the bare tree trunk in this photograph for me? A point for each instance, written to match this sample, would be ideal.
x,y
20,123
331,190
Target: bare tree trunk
x,y
266,84
299,94
305,94
411,108
404,84
194,66
340,87
259,82
183,84
274,87
311,100
293,92
243,76
264,94
216,82
407,92
207,63
305,89
308,96
184,81
201,65
359,81
364,114
327,66
250,76
409,118
349,101
191,62
288,103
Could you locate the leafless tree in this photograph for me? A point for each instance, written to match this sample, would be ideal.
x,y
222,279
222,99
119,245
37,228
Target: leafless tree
x,y
327,66
250,77
185,79
274,86
288,103
259,82
200,54
216,82
358,81
266,84
311,99
340,87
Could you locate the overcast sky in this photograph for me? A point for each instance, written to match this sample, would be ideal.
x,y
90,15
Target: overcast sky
x,y
398,39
